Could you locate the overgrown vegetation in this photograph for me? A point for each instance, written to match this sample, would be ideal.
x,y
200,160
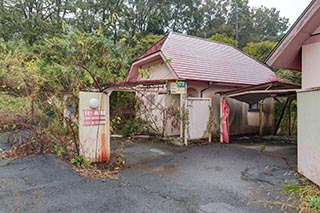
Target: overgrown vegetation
x,y
133,127
308,194
50,50
38,82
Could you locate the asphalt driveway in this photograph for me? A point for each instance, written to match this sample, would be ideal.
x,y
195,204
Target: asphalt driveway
x,y
157,178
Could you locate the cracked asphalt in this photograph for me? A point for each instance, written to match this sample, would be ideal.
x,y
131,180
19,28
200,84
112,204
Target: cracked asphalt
x,y
157,178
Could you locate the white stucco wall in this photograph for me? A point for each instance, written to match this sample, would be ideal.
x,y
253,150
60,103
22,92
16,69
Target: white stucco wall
x,y
157,70
311,65
308,112
309,134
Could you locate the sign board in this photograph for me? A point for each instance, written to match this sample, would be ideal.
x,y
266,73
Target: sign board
x,y
94,117
178,87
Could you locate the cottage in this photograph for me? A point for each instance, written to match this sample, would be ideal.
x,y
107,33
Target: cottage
x,y
201,69
300,50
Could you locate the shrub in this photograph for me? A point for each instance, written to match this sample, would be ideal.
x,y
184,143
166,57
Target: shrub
x,y
79,160
315,203
133,127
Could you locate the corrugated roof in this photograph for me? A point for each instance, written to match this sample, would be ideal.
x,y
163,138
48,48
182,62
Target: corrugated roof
x,y
255,93
194,58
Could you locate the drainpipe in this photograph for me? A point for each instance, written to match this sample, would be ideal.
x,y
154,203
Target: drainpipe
x,y
209,86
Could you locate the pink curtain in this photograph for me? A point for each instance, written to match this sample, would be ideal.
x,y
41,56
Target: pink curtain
x,y
225,121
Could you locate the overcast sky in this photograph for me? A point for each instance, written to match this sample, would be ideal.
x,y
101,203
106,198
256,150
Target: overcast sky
x,y
291,9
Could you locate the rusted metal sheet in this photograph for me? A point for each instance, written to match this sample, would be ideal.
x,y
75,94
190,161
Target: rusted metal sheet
x,y
309,134
94,126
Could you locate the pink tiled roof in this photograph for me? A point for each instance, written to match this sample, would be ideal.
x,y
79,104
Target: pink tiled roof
x,y
195,58
154,48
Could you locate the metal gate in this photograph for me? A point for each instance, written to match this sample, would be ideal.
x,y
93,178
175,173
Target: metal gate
x,y
199,115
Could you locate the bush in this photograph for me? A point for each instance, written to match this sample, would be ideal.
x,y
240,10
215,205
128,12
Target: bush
x,y
133,127
315,203
79,160
14,110
122,109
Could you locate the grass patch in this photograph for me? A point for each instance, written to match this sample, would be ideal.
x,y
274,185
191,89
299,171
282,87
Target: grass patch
x,y
315,203
13,110
308,194
292,189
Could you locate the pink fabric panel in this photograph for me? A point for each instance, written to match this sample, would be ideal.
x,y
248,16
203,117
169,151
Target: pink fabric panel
x,y
225,124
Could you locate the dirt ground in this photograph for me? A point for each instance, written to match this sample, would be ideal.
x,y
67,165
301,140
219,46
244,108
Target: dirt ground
x,y
247,175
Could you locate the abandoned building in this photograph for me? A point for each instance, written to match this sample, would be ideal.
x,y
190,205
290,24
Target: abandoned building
x,y
201,69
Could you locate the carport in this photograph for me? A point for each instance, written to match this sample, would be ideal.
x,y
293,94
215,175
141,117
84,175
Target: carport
x,y
257,94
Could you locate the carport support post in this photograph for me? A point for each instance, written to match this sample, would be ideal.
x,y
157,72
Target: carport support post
x,y
260,118
289,112
108,93
281,116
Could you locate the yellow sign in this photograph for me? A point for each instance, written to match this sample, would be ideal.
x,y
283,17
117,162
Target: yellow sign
x,y
178,87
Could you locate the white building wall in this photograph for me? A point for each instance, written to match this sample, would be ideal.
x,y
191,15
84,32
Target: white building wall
x,y
157,70
309,134
308,113
311,65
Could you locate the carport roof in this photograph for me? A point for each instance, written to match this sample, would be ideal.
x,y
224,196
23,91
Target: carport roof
x,y
254,94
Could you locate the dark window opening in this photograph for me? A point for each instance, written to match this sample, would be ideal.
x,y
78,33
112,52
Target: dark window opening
x,y
254,107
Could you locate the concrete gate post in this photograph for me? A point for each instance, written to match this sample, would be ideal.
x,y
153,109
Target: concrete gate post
x,y
94,126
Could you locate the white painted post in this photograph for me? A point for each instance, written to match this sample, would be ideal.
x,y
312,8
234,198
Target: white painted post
x,y
108,92
184,123
181,117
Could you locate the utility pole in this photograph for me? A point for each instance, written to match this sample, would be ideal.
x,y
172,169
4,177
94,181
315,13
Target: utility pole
x,y
237,23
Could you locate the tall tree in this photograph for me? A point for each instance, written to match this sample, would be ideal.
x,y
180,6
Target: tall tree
x,y
268,24
239,16
186,16
223,38
259,50
215,17
32,19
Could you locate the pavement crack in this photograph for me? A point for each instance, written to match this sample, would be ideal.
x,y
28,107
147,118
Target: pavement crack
x,y
185,203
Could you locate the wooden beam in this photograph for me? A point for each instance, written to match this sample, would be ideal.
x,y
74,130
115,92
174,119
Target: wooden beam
x,y
281,116
289,112
279,91
260,118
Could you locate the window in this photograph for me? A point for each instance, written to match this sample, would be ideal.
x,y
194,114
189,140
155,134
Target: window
x,y
254,107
